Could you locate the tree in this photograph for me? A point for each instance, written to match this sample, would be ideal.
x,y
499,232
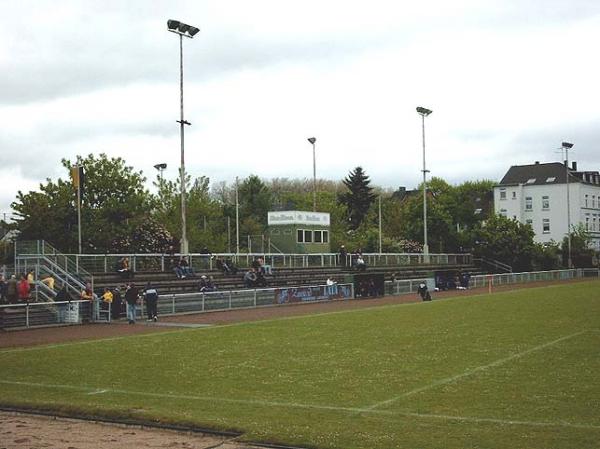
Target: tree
x,y
507,241
358,197
114,203
581,252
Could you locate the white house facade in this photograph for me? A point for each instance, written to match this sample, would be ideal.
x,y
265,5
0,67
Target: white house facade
x,y
537,195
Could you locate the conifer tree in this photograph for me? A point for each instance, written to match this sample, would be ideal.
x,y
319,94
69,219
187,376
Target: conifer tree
x,y
358,198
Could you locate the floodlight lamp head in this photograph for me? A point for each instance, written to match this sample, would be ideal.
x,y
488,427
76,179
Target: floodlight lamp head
x,y
160,166
312,140
173,24
193,31
567,145
424,111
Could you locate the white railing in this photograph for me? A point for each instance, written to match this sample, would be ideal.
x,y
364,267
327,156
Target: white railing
x,y
107,263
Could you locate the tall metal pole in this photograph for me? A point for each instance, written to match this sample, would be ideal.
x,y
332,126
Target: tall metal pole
x,y
570,261
237,218
314,178
79,206
380,234
312,141
425,245
182,123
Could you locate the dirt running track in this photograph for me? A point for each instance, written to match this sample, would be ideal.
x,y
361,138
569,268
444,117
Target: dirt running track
x,y
22,431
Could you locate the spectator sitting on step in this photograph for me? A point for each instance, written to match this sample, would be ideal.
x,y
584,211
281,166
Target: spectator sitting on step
x,y
257,265
250,278
261,281
185,267
206,284
124,269
49,281
175,266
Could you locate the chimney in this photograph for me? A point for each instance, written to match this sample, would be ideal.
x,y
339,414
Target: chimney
x,y
537,162
574,166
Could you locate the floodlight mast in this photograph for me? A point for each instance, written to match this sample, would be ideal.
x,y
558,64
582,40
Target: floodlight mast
x,y
567,146
424,112
312,141
188,31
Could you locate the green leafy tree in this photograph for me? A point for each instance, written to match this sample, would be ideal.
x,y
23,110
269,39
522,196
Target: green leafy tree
x,y
358,197
114,203
582,254
507,241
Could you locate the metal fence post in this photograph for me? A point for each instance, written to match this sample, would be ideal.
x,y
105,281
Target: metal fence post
x,y
27,314
254,297
203,301
173,303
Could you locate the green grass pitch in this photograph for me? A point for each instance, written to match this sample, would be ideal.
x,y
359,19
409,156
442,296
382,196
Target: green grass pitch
x,y
509,370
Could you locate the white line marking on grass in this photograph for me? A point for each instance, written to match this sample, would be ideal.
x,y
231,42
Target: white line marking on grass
x,y
472,371
97,392
511,422
352,410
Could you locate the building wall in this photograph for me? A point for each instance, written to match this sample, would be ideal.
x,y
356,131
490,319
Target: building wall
x,y
285,238
527,205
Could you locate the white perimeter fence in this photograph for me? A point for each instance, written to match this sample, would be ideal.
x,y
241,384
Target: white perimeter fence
x,y
77,312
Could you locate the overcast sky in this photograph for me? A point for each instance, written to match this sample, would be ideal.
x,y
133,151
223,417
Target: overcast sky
x,y
507,81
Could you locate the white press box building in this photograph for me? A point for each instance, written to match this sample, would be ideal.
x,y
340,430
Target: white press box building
x,y
537,195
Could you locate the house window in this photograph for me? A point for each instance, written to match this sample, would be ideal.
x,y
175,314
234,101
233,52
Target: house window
x,y
318,236
308,237
546,226
551,179
594,201
545,202
530,181
586,200
529,222
325,236
528,203
587,223
300,236
514,195
502,194
503,212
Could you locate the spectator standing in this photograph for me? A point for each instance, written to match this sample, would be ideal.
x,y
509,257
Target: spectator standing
x,y
107,299
131,298
343,256
23,289
2,289
31,280
62,296
11,290
117,304
151,298
87,294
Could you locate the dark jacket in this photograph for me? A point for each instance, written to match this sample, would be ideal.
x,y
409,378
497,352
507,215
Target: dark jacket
x,y
131,295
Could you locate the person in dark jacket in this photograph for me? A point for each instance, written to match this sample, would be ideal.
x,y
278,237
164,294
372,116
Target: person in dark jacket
x,y
131,298
117,304
11,290
151,298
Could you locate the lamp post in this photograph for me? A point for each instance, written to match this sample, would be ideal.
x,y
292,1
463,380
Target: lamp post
x,y
424,112
312,141
567,146
189,31
161,168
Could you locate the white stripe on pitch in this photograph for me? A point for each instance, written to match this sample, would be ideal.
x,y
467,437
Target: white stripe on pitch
x,y
472,371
